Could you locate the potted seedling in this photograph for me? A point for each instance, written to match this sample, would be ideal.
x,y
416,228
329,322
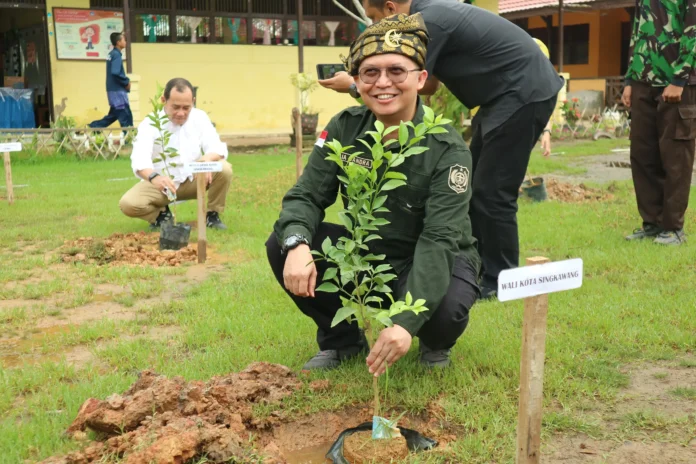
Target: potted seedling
x,y
173,236
305,83
361,277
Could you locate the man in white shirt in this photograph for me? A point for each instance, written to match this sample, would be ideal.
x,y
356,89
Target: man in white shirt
x,y
193,134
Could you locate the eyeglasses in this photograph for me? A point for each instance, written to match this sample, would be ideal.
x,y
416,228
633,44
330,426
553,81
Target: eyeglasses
x,y
396,74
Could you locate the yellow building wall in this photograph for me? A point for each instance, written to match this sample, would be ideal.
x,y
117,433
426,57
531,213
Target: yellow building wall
x,y
79,85
491,5
245,88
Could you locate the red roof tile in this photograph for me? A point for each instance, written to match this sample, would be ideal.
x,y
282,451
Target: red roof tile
x,y
510,6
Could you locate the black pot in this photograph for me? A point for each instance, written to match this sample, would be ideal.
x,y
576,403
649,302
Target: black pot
x,y
309,124
174,236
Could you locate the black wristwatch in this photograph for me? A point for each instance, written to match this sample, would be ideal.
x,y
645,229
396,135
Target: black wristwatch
x,y
353,91
152,176
293,241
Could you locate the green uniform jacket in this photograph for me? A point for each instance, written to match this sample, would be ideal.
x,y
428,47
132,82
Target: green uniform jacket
x,y
429,217
663,44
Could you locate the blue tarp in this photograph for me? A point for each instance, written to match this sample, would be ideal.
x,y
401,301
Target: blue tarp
x,y
16,108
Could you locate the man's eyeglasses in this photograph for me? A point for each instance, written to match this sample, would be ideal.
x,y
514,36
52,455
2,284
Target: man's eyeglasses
x,y
396,74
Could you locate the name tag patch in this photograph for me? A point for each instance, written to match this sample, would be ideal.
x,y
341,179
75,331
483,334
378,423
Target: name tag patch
x,y
364,162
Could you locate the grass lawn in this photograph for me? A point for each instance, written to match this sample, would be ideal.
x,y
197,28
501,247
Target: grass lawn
x,y
635,309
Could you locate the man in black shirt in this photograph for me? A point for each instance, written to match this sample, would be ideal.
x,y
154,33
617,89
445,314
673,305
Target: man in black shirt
x,y
486,61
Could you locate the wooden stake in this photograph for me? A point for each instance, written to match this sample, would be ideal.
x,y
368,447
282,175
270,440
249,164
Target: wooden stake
x,y
202,240
298,146
532,375
8,178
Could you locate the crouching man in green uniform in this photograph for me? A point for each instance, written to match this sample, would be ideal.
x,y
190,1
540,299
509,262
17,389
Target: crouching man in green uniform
x,y
428,240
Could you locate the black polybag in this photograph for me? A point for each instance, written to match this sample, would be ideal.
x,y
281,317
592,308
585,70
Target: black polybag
x,y
414,440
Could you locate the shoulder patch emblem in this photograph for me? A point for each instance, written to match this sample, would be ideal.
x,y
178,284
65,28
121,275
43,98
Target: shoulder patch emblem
x,y
458,178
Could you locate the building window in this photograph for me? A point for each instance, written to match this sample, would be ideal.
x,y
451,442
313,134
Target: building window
x,y
193,29
266,31
230,31
151,28
338,33
576,43
309,33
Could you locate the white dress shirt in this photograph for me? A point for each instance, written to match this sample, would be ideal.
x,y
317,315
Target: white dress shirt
x,y
195,138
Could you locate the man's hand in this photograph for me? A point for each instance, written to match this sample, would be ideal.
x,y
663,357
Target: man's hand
x,y
341,82
300,273
626,97
163,181
546,144
128,87
673,93
392,344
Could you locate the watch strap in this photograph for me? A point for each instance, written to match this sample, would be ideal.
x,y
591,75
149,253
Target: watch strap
x,y
152,176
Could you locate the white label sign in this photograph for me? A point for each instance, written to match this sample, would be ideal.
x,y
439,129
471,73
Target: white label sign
x,y
211,166
527,281
14,146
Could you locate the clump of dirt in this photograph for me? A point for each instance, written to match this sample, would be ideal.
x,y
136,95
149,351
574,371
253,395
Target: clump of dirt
x,y
360,448
135,248
167,420
574,193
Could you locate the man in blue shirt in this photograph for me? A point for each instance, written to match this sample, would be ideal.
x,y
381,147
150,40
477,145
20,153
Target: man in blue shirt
x,y
117,87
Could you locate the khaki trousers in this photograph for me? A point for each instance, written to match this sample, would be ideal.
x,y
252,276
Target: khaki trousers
x,y
145,201
662,154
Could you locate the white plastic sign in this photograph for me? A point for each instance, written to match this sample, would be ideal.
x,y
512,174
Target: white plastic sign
x,y
211,166
14,146
523,282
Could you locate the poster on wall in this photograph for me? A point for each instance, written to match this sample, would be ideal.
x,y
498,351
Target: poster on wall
x,y
84,34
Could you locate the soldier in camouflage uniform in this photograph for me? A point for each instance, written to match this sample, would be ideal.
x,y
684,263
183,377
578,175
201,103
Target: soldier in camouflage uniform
x,y
660,90
428,240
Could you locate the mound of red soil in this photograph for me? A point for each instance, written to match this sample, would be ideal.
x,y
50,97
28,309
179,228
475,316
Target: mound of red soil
x,y
162,420
137,248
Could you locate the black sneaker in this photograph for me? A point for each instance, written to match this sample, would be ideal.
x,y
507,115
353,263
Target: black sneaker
x,y
647,231
488,293
434,358
164,216
213,221
331,359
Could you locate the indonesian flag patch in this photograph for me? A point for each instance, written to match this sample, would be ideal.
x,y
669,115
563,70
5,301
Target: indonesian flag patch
x,y
322,138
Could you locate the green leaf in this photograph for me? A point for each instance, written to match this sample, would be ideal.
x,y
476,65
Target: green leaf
x,y
345,220
403,134
381,210
383,268
379,222
419,302
342,314
398,161
379,126
373,299
330,273
379,201
326,245
371,237
395,175
377,151
392,184
372,257
383,317
437,130
350,246
408,299
429,115
327,287
415,151
390,130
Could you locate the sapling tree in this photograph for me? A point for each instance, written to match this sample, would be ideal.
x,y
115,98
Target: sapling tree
x,y
159,121
360,276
